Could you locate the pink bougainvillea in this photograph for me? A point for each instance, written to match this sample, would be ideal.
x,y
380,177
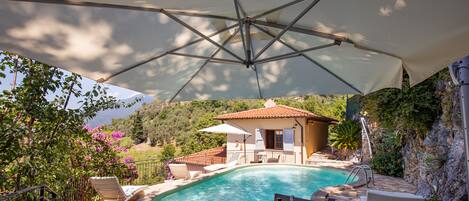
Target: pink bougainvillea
x,y
117,135
102,154
128,160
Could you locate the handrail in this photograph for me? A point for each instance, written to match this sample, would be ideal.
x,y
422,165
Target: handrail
x,y
356,170
42,189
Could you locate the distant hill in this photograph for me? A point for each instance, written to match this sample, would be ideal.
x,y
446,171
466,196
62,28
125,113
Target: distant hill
x,y
105,117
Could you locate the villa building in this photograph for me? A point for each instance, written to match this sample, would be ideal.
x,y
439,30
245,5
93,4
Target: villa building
x,y
278,132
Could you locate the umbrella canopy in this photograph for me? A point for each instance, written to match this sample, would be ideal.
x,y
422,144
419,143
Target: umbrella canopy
x,y
225,128
213,49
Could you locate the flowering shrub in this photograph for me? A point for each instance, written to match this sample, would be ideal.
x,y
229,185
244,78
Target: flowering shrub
x,y
98,155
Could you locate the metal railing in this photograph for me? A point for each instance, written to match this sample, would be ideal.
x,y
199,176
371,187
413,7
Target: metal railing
x,y
41,193
252,156
367,172
149,172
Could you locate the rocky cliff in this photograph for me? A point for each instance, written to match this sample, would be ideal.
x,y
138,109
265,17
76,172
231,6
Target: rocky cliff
x,y
436,163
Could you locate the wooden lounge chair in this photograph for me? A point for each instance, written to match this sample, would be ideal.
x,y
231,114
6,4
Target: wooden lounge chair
x,y
273,160
376,195
180,171
233,162
109,189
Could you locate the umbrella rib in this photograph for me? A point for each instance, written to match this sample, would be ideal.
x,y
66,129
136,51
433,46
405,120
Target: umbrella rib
x,y
377,51
163,54
258,84
217,60
246,44
200,34
250,50
257,75
303,31
297,18
240,23
238,4
248,47
323,35
296,53
311,60
127,7
202,66
276,9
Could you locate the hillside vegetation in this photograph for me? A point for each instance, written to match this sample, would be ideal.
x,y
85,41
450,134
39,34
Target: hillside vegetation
x,y
178,123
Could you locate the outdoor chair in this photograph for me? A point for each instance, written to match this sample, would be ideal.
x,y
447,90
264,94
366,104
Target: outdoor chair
x,y
109,189
377,195
274,160
233,162
180,171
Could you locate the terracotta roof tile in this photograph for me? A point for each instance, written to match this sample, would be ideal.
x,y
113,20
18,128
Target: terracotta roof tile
x,y
279,111
206,157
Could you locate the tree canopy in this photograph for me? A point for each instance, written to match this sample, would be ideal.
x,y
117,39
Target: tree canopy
x,y
41,140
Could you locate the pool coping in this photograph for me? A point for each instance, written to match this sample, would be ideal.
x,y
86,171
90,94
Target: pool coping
x,y
218,173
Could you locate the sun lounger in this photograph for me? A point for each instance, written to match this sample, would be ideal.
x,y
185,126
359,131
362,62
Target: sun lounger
x,y
180,171
109,189
233,162
376,195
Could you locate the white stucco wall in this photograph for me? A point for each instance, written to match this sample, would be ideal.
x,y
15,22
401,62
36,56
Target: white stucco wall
x,y
235,142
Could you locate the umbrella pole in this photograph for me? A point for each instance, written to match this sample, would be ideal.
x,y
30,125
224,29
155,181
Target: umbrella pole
x,y
244,147
462,69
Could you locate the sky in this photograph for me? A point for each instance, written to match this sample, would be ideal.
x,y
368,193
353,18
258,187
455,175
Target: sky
x,y
87,84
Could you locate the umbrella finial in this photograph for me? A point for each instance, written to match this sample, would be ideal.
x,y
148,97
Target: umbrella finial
x,y
270,103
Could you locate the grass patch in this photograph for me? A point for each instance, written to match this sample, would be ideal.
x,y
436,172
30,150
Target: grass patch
x,y
143,152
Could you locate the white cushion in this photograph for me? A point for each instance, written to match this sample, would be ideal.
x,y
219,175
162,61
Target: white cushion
x,y
214,167
130,190
390,196
193,174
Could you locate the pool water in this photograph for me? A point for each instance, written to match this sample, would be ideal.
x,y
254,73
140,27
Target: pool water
x,y
259,183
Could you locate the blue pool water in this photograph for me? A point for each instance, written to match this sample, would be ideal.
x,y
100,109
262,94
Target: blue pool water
x,y
259,183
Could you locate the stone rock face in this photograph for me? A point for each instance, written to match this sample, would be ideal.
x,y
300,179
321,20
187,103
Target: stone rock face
x,y
436,164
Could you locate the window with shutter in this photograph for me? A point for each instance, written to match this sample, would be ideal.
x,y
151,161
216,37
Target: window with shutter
x,y
274,139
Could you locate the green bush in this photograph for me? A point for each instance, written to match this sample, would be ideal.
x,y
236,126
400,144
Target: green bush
x,y
126,142
388,163
346,137
387,159
411,109
168,152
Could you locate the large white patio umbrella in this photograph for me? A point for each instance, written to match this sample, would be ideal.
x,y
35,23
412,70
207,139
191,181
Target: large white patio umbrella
x,y
199,49
213,49
229,129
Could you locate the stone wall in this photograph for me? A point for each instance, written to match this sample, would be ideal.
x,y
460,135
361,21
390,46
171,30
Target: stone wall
x,y
436,163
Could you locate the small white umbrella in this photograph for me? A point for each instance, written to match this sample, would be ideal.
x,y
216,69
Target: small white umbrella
x,y
229,129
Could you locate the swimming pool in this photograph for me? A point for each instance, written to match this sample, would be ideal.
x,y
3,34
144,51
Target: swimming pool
x,y
258,183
